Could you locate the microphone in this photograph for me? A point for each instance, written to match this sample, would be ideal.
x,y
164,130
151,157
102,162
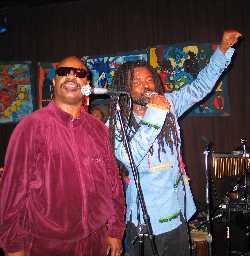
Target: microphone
x,y
87,90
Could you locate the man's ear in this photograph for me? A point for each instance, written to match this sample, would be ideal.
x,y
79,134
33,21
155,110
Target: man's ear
x,y
52,86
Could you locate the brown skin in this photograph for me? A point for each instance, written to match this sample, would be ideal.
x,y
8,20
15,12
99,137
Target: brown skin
x,y
21,253
68,97
98,113
114,246
67,89
143,80
229,39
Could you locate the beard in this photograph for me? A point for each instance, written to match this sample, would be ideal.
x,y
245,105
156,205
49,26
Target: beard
x,y
142,101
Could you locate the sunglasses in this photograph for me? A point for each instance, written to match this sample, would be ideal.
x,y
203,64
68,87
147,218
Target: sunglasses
x,y
78,72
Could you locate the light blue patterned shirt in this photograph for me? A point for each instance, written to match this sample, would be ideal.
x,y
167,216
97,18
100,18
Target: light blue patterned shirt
x,y
161,181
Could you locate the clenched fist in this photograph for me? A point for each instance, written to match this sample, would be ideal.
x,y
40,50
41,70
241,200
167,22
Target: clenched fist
x,y
229,38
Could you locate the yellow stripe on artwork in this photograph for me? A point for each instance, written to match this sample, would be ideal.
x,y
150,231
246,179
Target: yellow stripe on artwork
x,y
153,58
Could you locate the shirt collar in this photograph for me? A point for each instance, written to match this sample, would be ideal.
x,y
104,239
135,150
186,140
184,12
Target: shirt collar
x,y
64,117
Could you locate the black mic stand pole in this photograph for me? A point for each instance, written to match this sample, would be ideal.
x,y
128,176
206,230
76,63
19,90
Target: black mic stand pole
x,y
207,153
148,231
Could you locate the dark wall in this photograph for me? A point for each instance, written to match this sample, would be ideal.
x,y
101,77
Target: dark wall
x,y
51,32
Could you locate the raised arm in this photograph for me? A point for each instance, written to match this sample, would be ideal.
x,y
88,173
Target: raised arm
x,y
229,39
205,81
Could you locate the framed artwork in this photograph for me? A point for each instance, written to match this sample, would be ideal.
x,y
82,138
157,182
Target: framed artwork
x,y
180,64
177,66
16,95
46,72
103,67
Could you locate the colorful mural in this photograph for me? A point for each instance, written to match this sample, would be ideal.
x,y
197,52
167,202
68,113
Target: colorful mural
x,y
16,97
177,66
103,67
180,64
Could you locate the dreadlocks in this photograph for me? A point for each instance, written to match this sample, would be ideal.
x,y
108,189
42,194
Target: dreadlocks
x,y
122,82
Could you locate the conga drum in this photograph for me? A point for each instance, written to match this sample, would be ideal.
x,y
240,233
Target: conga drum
x,y
199,243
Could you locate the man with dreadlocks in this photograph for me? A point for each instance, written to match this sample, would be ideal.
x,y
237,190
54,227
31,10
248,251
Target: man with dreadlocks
x,y
153,134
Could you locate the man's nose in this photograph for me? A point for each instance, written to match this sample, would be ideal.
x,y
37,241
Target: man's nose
x,y
71,73
146,84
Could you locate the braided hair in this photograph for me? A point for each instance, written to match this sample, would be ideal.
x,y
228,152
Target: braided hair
x,y
122,82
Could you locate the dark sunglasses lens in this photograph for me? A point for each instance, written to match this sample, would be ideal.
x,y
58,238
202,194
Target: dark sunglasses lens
x,y
64,71
81,73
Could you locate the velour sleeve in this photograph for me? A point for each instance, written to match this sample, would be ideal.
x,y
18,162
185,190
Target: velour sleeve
x,y
14,189
116,222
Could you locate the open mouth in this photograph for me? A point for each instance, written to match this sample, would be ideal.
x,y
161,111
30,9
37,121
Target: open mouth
x,y
149,94
70,86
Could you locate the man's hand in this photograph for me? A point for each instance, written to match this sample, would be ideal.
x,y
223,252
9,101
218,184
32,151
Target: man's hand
x,y
160,101
229,38
20,253
114,246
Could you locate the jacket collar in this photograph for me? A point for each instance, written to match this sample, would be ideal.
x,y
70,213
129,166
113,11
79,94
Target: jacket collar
x,y
64,117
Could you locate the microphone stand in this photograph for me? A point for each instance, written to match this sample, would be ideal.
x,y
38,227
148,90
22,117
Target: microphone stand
x,y
207,153
144,230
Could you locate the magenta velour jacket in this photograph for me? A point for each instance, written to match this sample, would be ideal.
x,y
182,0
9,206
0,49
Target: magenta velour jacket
x,y
60,180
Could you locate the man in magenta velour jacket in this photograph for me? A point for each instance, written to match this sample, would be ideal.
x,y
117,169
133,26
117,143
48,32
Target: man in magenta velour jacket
x,y
61,193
